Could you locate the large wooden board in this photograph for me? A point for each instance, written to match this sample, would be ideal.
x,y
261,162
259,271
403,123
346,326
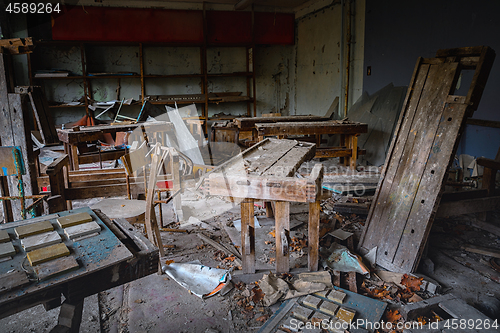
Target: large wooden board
x,y
248,124
423,146
311,128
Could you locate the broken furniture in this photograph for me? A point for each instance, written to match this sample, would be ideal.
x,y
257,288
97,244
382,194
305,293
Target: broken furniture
x,y
482,200
248,124
72,138
137,161
266,171
12,164
491,168
349,132
94,263
41,112
423,146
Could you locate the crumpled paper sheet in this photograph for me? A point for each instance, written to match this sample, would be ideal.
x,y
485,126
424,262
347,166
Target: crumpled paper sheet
x,y
274,288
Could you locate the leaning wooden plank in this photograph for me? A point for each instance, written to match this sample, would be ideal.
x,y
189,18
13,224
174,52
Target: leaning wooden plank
x,y
38,241
33,229
7,250
48,253
55,267
74,219
82,230
424,143
412,195
13,280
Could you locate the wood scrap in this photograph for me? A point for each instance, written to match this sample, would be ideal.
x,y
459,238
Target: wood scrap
x,y
220,247
482,250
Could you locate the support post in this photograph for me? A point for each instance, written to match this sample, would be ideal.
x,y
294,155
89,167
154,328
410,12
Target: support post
x,y
247,236
282,220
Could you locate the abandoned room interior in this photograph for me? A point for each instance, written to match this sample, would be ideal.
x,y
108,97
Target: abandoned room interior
x,y
249,166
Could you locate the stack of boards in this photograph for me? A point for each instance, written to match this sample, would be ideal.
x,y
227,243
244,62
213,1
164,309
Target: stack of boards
x,y
44,246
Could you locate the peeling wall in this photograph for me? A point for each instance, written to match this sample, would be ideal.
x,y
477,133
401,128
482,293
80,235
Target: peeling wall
x,y
319,64
318,61
274,77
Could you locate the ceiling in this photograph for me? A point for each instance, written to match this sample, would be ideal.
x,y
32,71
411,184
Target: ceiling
x,y
244,4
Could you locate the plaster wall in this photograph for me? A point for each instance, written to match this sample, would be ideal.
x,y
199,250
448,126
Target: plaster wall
x,y
398,32
321,59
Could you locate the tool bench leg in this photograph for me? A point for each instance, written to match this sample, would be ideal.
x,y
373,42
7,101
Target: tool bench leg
x,y
247,236
353,144
282,220
70,317
313,236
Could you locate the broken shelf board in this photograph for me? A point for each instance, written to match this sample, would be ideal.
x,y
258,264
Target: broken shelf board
x,y
41,240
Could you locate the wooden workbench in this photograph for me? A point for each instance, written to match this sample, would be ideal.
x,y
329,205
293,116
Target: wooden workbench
x,y
266,171
72,137
115,256
245,124
349,132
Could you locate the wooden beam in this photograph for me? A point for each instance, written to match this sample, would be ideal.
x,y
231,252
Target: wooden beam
x,y
313,236
282,218
247,236
483,123
470,206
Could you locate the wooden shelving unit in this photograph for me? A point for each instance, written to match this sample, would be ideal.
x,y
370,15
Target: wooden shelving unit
x,y
83,74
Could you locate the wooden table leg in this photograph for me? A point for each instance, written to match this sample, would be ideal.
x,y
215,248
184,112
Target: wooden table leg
x,y
269,208
75,165
313,236
353,144
70,317
176,179
247,236
282,218
342,145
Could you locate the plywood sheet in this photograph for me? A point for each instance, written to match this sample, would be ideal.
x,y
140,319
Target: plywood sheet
x,y
423,146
